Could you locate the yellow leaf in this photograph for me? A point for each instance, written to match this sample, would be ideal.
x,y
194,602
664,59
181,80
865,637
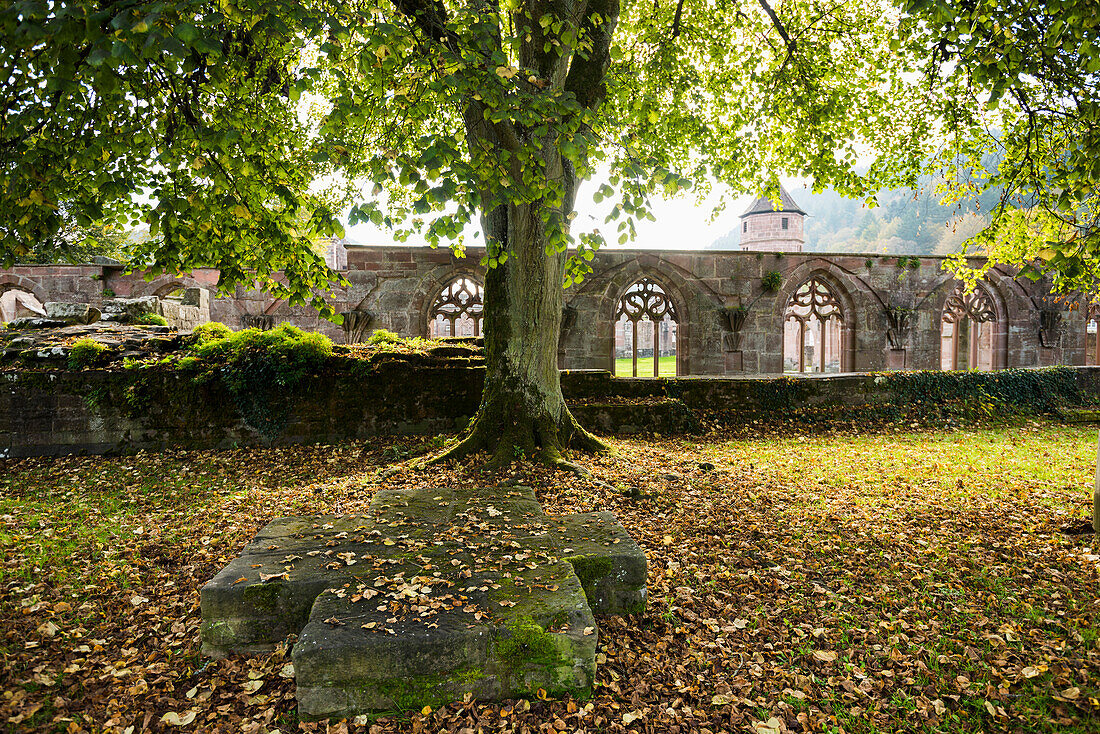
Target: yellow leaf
x,y
426,710
175,719
825,656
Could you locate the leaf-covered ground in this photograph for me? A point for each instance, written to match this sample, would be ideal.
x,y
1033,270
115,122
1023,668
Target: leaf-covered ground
x,y
879,582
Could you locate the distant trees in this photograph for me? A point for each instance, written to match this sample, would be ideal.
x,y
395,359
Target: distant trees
x,y
75,244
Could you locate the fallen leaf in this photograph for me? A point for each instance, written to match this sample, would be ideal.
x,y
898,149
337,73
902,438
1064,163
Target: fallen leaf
x,y
175,719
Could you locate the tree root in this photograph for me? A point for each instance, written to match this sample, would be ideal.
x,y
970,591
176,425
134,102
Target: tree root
x,y
541,440
574,435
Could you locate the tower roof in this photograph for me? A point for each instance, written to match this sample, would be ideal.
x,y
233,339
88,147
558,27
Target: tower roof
x,y
764,205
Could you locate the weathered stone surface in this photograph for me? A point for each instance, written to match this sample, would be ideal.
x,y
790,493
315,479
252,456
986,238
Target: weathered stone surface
x,y
435,593
30,322
72,313
130,309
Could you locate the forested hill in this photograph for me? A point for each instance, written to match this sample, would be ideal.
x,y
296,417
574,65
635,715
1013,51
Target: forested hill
x,y
906,221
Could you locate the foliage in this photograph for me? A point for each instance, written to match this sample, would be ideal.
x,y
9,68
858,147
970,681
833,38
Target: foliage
x,y
151,319
932,562
1019,89
76,244
383,336
264,369
771,281
446,110
178,114
210,331
85,352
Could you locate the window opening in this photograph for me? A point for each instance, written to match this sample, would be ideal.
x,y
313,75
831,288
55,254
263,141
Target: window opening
x,y
812,325
458,309
646,326
966,330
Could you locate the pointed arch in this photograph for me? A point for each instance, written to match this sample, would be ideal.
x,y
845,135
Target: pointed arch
x,y
818,317
457,309
973,327
643,301
676,333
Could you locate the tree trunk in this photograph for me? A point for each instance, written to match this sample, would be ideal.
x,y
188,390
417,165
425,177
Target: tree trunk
x,y
523,412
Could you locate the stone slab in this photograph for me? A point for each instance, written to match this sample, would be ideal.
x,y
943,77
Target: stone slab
x,y
431,595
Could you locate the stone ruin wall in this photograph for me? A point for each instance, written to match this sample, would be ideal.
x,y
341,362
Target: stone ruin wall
x,y
395,288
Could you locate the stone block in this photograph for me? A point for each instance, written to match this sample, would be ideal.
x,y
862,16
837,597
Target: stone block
x,y
72,313
432,595
130,309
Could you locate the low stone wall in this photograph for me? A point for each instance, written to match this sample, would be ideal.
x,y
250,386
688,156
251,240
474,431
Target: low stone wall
x,y
56,412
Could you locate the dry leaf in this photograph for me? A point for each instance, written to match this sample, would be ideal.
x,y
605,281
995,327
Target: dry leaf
x,y
175,719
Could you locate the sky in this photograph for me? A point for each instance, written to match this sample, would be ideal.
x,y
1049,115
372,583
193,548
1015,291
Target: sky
x,y
682,222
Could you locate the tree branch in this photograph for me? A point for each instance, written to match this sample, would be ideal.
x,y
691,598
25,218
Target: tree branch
x,y
792,46
676,19
430,16
586,74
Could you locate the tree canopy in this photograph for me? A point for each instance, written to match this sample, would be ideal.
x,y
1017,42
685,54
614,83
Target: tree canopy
x,y
1021,101
240,130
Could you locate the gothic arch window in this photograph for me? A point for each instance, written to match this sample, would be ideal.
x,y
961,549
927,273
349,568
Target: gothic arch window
x,y
645,332
458,309
813,324
967,330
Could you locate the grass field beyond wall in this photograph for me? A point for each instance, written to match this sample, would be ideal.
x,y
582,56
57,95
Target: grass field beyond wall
x,y
877,582
624,367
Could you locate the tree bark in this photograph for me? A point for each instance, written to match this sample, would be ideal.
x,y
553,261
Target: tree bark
x,y
523,412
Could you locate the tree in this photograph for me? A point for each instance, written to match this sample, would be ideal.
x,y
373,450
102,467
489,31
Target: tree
x,y
1020,92
1023,79
181,115
430,115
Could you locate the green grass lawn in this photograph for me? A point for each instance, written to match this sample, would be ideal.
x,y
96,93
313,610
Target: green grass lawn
x,y
876,582
623,367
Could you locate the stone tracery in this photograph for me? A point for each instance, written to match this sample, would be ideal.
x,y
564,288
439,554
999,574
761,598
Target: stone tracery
x,y
815,311
458,309
967,339
645,300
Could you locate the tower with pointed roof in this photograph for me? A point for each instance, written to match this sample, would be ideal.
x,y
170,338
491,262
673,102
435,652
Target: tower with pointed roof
x,y
767,228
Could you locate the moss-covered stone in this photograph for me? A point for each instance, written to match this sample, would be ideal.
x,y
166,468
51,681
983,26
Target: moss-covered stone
x,y
524,642
432,595
591,568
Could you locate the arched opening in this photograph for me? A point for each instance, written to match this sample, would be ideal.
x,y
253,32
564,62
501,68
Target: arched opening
x,y
16,303
967,330
1092,335
813,325
645,332
458,309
